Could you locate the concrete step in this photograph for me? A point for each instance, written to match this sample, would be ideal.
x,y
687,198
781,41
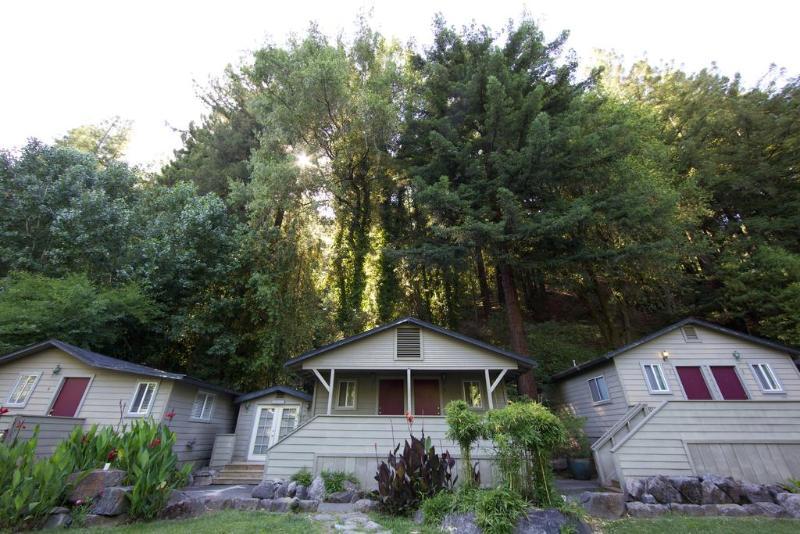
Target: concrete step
x,y
244,467
235,481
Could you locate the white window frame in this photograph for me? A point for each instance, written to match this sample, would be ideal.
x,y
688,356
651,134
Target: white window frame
x,y
207,395
339,394
605,386
139,412
769,375
24,401
652,391
464,392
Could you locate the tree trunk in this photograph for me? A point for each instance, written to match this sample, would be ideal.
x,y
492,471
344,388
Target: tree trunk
x,y
526,381
483,283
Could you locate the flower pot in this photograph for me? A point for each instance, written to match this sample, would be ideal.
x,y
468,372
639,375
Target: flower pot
x,y
580,468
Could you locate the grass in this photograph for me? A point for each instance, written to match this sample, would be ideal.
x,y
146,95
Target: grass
x,y
402,525
675,524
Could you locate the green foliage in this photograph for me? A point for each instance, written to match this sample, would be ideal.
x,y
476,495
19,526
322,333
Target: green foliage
x,y
576,444
465,427
498,510
90,449
464,499
303,477
557,344
105,141
334,480
792,485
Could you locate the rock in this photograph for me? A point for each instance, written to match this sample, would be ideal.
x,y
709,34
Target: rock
x,y
419,517
87,486
635,488
59,520
639,509
768,509
731,510
711,494
317,489
648,499
603,505
323,517
664,492
790,503
753,493
281,490
189,507
693,510
731,487
344,496
301,492
461,523
112,502
265,504
203,477
265,490
245,503
549,521
307,505
365,506
291,489
177,496
93,520
690,488
285,504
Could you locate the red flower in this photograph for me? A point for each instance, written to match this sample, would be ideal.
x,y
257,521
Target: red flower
x,y
170,414
155,443
85,439
409,418
112,455
3,410
20,425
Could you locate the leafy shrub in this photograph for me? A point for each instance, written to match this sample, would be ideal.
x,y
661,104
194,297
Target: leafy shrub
x,y
334,480
792,485
435,508
498,510
419,472
303,477
465,427
576,443
90,449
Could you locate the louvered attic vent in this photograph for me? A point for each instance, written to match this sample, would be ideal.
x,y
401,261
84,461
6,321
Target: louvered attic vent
x,y
690,333
408,345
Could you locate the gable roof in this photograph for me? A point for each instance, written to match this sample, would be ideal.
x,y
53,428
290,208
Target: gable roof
x,y
274,389
667,329
101,361
525,361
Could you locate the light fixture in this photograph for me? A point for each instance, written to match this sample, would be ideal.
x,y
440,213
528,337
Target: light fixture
x,y
57,369
664,354
737,355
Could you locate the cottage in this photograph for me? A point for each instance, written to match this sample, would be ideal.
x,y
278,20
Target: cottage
x,y
58,386
689,399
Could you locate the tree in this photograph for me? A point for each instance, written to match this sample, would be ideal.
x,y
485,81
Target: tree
x,y
106,141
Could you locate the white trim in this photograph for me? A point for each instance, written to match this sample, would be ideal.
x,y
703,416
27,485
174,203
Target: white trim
x,y
421,345
647,380
464,383
601,400
24,403
208,395
152,399
339,393
273,436
772,374
409,407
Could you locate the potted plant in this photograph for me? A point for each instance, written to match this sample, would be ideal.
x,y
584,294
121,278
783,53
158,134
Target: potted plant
x,y
577,448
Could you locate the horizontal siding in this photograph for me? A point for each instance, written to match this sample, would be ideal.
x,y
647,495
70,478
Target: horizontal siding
x,y
200,434
367,390
574,394
659,446
713,349
246,420
439,352
52,430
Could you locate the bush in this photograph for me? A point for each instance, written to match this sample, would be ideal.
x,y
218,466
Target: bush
x,y
498,510
90,449
303,477
334,480
435,508
419,472
576,443
465,427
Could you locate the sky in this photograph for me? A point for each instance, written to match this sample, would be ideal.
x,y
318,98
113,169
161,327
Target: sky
x,y
65,64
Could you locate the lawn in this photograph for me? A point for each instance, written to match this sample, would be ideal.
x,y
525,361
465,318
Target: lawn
x,y
674,524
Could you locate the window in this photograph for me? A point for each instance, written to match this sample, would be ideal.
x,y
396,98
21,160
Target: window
x,y
597,386
472,394
203,406
22,390
654,377
143,398
766,378
408,343
347,394
690,334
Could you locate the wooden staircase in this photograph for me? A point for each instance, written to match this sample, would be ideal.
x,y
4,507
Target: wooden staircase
x,y
240,473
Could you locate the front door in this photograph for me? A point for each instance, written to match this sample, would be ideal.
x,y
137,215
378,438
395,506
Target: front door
x,y
694,385
390,396
69,397
272,423
729,384
426,397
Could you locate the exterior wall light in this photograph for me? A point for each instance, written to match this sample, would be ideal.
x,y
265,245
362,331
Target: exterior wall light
x,y
664,355
57,369
737,355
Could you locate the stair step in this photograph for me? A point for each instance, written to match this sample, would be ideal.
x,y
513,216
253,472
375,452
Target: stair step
x,y
236,481
244,467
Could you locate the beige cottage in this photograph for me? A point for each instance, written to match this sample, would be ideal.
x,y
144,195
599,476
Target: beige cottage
x,y
689,399
58,386
362,388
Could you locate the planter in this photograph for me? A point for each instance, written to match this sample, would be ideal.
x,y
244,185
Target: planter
x,y
580,468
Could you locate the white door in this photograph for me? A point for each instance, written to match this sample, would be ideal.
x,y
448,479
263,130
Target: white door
x,y
272,423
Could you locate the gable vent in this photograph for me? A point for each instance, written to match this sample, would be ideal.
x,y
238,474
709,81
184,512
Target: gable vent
x,y
690,333
408,344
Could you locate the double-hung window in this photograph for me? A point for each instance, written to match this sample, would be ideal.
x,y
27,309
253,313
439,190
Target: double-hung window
x,y
22,390
347,395
472,394
203,406
654,376
143,398
766,378
598,388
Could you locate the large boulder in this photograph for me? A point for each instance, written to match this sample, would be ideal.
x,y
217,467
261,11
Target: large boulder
x,y
244,503
731,487
648,499
112,502
640,509
603,505
663,491
317,489
183,508
87,486
769,509
712,494
694,510
291,489
461,523
345,496
731,510
58,520
549,521
365,506
690,488
281,490
285,504
94,520
307,505
301,492
635,488
265,490
753,493
790,503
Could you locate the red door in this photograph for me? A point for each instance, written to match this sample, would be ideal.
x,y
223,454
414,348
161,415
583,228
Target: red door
x,y
694,385
390,397
69,397
728,382
426,397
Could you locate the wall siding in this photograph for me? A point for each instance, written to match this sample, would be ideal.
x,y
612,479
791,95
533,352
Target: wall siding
x,y
246,420
52,431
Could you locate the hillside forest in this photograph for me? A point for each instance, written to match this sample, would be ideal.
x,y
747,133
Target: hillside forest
x,y
487,183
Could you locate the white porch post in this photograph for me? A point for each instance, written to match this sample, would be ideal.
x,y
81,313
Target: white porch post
x,y
408,390
327,386
489,389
